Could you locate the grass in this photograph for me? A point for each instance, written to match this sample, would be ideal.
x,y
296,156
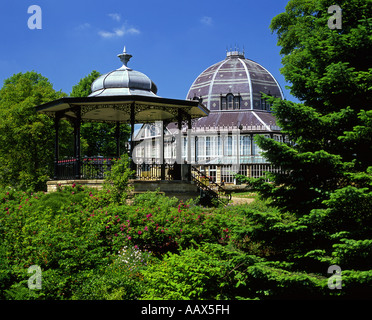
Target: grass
x,y
246,194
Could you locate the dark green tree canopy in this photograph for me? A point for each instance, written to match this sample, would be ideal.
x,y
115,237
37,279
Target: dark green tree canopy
x,y
83,88
330,71
26,137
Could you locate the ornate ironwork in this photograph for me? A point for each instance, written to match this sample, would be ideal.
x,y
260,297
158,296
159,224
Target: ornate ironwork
x,y
121,107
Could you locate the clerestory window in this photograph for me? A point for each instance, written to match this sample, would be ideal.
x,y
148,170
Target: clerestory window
x,y
265,105
230,102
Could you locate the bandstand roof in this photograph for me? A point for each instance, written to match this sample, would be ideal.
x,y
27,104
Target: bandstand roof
x,y
147,109
116,94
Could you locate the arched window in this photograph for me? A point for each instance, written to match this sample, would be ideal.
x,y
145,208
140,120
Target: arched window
x,y
237,102
230,102
223,103
265,105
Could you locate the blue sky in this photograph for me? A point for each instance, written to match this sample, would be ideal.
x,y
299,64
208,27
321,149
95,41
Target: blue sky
x,y
171,41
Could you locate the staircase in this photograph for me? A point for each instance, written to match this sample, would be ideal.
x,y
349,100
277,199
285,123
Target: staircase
x,y
209,189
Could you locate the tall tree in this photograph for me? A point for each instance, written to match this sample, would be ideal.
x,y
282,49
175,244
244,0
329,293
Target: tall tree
x,y
98,138
26,137
330,72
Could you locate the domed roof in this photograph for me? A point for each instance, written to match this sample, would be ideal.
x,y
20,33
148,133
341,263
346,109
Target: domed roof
x,y
242,78
123,81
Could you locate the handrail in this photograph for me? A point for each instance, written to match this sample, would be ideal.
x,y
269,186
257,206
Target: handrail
x,y
220,190
219,187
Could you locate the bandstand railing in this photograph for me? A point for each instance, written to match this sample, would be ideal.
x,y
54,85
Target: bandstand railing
x,y
154,171
96,168
89,168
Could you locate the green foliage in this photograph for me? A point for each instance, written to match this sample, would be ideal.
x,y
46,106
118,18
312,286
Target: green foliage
x,y
330,132
26,137
91,247
83,88
117,179
122,279
193,274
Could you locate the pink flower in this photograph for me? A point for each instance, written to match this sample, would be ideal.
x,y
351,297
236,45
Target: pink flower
x,y
129,237
146,229
181,230
139,232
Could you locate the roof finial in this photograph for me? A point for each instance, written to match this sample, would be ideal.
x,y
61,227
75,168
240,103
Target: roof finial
x,y
236,52
125,57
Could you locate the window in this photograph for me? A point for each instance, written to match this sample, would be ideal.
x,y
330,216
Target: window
x,y
223,103
265,105
245,145
207,146
228,146
227,175
236,102
213,173
230,102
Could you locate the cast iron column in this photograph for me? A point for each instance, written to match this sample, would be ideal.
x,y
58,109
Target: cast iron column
x,y
56,146
162,164
77,144
188,165
132,122
117,138
177,164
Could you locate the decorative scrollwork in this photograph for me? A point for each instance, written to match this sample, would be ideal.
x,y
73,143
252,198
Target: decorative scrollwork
x,y
122,107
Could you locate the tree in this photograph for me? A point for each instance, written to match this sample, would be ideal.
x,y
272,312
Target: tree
x,y
330,73
26,137
98,138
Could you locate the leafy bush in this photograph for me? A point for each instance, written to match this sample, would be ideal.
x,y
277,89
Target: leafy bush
x,y
122,279
193,274
161,224
91,246
117,178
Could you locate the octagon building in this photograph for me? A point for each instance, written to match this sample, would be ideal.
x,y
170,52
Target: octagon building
x,y
222,144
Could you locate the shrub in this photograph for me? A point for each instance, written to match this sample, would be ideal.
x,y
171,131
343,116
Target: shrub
x,y
160,224
193,274
117,179
122,279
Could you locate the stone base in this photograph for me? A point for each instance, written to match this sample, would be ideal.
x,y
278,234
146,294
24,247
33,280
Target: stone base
x,y
182,190
53,185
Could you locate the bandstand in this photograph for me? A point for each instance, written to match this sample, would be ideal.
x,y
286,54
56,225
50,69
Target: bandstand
x,y
121,96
